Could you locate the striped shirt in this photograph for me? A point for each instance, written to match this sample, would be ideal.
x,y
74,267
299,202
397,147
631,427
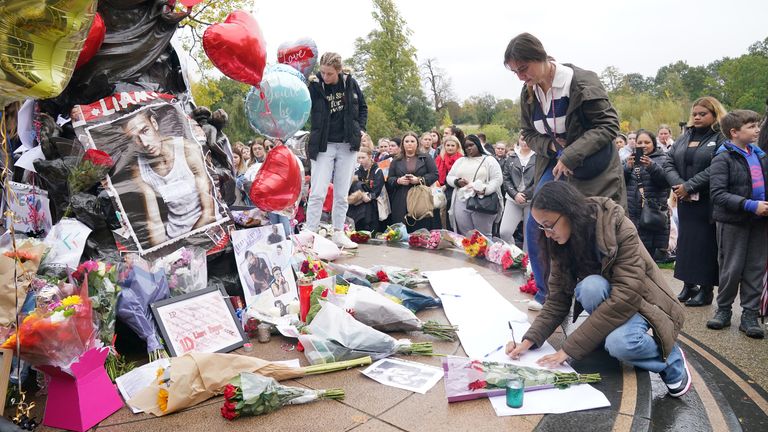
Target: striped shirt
x,y
556,97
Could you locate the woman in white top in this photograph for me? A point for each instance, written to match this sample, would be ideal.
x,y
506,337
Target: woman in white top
x,y
477,173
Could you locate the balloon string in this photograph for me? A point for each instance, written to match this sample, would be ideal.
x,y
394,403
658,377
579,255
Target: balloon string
x,y
268,112
17,260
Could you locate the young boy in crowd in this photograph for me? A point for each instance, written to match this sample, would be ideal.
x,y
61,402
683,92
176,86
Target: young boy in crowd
x,y
737,184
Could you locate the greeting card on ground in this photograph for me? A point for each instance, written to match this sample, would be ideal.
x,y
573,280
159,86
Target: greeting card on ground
x,y
79,401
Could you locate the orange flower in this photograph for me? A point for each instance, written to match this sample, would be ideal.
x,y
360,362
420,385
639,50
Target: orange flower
x,y
162,399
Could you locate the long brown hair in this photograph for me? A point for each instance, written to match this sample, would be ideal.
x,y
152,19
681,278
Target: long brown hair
x,y
401,155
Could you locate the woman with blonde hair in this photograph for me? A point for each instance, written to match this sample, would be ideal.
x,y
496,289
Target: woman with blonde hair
x,y
687,171
450,152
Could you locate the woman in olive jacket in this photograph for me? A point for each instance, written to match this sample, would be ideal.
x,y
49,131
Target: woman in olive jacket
x,y
687,170
598,259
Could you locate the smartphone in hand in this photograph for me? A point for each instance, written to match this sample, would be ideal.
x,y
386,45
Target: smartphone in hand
x,y
638,155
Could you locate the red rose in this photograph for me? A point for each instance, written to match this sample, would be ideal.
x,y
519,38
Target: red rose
x,y
229,392
382,275
525,261
305,267
476,385
227,414
98,157
322,274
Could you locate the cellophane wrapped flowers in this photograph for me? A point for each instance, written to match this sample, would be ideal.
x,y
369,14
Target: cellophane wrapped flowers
x,y
475,244
434,239
250,394
509,257
186,270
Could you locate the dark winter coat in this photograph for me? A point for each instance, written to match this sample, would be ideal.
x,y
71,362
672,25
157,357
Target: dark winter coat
x,y
674,167
398,194
519,178
591,123
656,189
730,183
371,181
355,114
637,286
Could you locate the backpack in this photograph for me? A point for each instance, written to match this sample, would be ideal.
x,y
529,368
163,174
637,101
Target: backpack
x,y
419,203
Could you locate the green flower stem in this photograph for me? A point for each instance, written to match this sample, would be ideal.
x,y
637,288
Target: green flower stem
x,y
336,366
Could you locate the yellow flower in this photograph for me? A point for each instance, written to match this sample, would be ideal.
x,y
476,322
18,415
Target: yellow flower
x,y
71,301
162,399
159,373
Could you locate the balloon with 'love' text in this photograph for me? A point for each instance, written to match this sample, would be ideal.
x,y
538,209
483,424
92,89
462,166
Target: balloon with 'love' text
x,y
280,107
300,54
39,45
237,47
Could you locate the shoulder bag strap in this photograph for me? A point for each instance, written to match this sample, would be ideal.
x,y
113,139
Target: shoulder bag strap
x,y
474,177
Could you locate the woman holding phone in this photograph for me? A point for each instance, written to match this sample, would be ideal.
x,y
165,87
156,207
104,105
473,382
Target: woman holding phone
x,y
647,186
408,169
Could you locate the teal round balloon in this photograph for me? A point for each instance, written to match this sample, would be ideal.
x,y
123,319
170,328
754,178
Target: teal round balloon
x,y
279,67
280,107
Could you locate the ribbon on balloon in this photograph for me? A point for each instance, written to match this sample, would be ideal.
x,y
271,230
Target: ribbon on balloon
x,y
281,104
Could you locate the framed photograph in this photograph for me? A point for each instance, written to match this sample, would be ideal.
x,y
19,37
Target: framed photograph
x,y
201,321
6,357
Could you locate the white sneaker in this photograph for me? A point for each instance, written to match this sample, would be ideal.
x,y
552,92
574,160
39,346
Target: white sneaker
x,y
343,241
533,305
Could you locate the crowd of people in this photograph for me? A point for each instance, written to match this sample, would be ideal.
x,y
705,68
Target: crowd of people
x,y
595,209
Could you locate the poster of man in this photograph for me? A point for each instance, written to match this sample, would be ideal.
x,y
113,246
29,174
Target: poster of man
x,y
160,183
265,267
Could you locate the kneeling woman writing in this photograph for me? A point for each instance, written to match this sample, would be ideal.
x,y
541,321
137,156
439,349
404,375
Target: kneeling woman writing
x,y
598,258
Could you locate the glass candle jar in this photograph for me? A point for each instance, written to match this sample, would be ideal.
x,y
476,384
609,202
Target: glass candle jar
x,y
515,391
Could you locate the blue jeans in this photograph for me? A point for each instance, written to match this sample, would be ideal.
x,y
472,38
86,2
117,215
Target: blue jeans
x,y
539,262
275,219
630,342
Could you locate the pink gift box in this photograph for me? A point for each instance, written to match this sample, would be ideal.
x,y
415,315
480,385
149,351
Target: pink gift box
x,y
79,401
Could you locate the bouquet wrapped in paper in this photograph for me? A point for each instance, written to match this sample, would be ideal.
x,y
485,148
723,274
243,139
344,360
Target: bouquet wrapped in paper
x,y
395,233
411,299
506,255
410,278
186,270
334,335
475,244
435,239
250,394
196,377
140,288
467,379
381,313
56,333
360,237
24,262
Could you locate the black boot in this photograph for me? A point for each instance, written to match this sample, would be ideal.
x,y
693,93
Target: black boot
x,y
689,290
750,326
703,298
721,320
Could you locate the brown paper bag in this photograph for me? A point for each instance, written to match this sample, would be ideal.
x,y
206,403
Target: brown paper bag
x,y
196,377
24,273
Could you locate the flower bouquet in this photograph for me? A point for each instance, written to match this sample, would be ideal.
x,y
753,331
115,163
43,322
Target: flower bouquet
x,y
17,269
186,270
506,255
435,239
410,278
529,287
395,233
93,167
313,269
141,288
379,312
196,377
475,245
334,335
250,394
413,300
360,237
56,333
467,379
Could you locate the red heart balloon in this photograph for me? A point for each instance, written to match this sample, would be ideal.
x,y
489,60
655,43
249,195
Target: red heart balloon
x,y
190,3
237,47
278,183
93,41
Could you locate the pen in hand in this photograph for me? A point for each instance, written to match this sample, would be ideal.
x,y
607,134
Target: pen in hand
x,y
511,329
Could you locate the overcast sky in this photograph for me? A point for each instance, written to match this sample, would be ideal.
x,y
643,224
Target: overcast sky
x,y
468,38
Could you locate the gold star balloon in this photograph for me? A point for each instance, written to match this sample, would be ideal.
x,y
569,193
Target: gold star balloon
x,y
40,41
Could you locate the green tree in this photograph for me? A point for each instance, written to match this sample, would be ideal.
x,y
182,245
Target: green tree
x,y
228,95
484,106
385,61
745,82
611,78
507,114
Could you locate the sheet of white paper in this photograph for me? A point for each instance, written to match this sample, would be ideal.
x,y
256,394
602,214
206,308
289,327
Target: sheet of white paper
x,y
29,156
483,317
139,378
25,125
403,374
554,401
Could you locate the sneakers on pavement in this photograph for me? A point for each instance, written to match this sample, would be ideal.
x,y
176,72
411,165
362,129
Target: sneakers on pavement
x,y
750,325
721,320
681,387
342,240
533,305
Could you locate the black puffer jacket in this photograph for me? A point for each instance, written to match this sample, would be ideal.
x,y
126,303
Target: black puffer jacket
x,y
731,184
656,189
519,178
698,179
355,114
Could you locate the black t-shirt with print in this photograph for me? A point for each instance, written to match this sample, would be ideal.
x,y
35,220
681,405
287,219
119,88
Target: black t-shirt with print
x,y
335,96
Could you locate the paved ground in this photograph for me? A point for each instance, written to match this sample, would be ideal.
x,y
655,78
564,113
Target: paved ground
x,y
729,393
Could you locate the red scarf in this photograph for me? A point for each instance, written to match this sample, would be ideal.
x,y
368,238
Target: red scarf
x,y
444,165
